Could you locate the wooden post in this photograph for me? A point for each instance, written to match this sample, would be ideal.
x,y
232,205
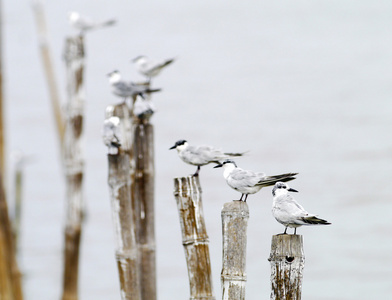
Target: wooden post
x,y
48,67
235,215
287,263
10,277
187,192
73,165
122,213
142,193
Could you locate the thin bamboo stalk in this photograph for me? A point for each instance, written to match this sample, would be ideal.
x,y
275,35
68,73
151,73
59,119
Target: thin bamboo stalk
x,y
48,68
2,131
6,291
287,263
142,193
73,164
18,186
8,252
235,215
119,180
187,191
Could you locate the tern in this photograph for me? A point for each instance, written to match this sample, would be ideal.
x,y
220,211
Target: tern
x,y
288,212
83,23
111,131
150,68
127,89
200,155
248,182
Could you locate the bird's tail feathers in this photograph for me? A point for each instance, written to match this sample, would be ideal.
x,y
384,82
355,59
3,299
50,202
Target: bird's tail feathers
x,y
153,90
167,62
313,220
271,180
109,23
235,154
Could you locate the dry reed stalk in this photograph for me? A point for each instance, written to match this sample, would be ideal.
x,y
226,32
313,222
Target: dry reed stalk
x,y
2,132
119,180
73,164
187,191
48,68
235,215
6,292
18,185
142,193
287,264
9,271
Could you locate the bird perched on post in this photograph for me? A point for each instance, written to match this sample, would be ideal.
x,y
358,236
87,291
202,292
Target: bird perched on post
x,y
200,155
248,182
127,89
83,23
288,212
110,134
150,68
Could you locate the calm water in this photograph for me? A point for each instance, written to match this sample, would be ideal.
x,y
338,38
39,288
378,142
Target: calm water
x,y
305,86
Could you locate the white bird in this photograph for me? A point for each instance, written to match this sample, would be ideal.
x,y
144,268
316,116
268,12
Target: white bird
x,y
200,155
288,212
110,134
150,68
83,23
143,109
248,182
127,89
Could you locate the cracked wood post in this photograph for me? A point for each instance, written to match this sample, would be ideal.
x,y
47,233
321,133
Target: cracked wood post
x,y
119,180
142,193
187,192
235,215
73,165
287,263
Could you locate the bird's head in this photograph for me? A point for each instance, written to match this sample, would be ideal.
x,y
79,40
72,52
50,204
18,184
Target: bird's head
x,y
73,16
179,145
228,163
139,59
114,76
281,188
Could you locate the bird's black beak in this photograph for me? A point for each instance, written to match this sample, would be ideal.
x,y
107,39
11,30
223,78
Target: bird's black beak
x,y
174,147
218,166
292,190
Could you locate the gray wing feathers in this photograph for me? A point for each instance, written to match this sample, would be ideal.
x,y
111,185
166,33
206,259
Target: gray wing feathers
x,y
271,180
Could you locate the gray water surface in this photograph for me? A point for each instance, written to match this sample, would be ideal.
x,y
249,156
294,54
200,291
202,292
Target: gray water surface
x,y
305,86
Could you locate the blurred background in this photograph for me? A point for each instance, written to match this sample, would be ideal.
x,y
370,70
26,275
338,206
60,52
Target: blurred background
x,y
304,86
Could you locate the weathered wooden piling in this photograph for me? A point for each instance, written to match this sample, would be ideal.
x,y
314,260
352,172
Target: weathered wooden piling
x,y
142,193
235,215
187,191
10,276
73,164
287,263
119,180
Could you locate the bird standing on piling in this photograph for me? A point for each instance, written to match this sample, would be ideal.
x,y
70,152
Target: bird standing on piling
x,y
83,23
248,182
288,212
150,68
200,155
110,133
127,89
